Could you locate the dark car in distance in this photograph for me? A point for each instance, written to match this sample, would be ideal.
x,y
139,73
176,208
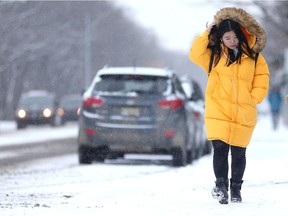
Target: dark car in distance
x,y
69,108
135,110
36,107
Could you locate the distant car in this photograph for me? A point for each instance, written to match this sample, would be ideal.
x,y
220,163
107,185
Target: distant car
x,y
135,110
69,108
195,95
36,107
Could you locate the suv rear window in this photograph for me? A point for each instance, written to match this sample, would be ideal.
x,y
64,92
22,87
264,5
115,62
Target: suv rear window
x,y
132,83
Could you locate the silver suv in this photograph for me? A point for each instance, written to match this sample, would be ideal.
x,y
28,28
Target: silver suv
x,y
135,110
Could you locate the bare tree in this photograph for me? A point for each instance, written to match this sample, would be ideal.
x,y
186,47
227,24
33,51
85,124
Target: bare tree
x,y
43,46
275,17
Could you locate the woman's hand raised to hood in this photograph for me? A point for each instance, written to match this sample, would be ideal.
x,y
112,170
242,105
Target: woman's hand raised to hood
x,y
209,26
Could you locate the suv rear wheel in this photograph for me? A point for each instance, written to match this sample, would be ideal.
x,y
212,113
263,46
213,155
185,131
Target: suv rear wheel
x,y
189,156
207,148
85,155
179,156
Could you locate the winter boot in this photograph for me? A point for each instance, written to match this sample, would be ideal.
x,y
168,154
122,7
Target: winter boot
x,y
235,191
220,191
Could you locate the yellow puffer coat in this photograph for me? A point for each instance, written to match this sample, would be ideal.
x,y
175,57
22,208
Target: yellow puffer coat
x,y
233,92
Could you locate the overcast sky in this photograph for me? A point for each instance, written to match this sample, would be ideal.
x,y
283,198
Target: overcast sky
x,y
175,22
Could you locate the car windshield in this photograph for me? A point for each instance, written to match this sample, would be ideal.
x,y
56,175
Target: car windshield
x,y
142,84
39,100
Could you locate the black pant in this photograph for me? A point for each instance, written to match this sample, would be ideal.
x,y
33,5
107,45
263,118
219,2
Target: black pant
x,y
220,160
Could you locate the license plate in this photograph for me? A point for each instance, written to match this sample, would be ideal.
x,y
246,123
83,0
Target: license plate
x,y
130,111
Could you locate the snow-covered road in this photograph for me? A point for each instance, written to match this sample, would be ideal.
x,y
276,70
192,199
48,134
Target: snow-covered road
x,y
59,186
34,134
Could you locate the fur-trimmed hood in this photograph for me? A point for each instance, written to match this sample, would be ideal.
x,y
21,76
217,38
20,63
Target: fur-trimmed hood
x,y
254,33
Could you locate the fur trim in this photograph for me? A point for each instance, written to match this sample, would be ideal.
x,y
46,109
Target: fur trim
x,y
247,22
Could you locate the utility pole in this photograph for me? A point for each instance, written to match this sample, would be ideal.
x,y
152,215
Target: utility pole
x,y
87,43
88,40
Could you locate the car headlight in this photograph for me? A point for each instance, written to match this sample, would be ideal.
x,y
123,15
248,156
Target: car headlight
x,y
21,113
47,113
78,111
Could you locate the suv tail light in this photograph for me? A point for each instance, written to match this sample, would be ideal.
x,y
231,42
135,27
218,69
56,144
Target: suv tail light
x,y
90,131
171,104
170,133
197,115
92,102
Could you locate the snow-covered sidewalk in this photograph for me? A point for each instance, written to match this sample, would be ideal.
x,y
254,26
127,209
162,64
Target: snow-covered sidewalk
x,y
65,187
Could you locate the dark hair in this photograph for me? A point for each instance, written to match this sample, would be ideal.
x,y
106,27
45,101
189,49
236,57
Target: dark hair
x,y
216,35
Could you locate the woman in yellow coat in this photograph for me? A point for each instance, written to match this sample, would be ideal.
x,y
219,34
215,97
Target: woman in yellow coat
x,y
238,80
